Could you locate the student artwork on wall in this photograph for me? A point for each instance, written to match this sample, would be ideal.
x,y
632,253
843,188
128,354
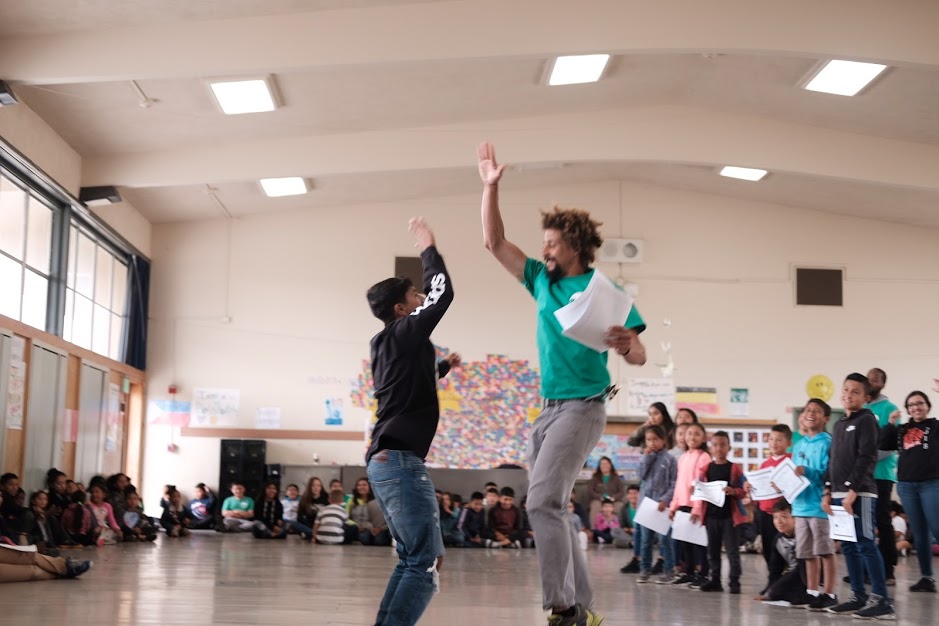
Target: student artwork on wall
x,y
749,446
701,400
333,415
113,431
485,408
625,459
215,407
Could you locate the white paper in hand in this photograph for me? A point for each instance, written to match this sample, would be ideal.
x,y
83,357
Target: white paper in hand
x,y
649,516
841,525
787,481
761,487
712,492
601,305
683,529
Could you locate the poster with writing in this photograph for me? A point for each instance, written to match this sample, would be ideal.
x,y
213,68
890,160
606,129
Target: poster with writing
x,y
16,393
215,407
642,392
267,417
739,402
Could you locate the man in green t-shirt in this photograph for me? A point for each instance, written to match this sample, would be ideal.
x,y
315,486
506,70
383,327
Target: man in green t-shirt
x,y
238,510
575,382
885,473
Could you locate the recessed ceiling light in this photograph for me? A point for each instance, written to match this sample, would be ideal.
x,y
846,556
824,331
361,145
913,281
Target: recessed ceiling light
x,y
743,173
844,78
244,96
582,68
290,186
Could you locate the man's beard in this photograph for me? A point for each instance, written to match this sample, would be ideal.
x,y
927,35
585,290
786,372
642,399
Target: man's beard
x,y
556,274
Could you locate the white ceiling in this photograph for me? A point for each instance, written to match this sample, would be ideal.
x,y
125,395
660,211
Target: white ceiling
x,y
846,155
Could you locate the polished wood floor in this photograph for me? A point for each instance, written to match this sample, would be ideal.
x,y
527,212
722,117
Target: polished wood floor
x,y
234,579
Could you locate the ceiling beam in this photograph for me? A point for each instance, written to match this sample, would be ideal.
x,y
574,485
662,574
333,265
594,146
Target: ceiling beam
x,y
670,134
852,29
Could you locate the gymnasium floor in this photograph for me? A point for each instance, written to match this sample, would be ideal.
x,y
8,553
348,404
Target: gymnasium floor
x,y
234,579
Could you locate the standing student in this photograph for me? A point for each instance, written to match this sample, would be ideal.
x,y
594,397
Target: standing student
x,y
850,484
918,471
721,521
575,383
406,371
780,438
690,466
814,546
885,472
658,472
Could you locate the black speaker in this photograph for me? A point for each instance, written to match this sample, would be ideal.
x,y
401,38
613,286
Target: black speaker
x,y
242,460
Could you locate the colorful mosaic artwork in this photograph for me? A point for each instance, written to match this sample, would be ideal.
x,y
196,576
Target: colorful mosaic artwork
x,y
486,408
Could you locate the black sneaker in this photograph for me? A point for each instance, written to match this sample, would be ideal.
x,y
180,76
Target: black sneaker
x,y
925,584
74,569
876,608
698,582
631,568
658,567
683,580
735,587
803,602
823,603
846,608
711,585
847,579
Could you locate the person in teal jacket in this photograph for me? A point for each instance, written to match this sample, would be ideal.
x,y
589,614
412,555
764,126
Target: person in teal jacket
x,y
885,473
813,541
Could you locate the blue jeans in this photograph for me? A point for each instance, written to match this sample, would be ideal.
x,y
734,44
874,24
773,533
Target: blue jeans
x,y
921,503
648,541
297,527
366,538
864,557
406,496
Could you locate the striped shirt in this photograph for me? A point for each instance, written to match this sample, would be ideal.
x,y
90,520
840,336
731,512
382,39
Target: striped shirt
x,y
331,521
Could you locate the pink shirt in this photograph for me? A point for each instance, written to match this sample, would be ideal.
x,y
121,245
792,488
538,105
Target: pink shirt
x,y
690,466
603,523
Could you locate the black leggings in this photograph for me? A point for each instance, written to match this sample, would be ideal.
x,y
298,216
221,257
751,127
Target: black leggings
x,y
694,556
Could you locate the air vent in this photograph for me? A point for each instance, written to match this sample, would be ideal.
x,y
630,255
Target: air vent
x,y
819,287
621,251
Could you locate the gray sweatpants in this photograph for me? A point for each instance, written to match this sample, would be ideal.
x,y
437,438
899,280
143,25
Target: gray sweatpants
x,y
562,438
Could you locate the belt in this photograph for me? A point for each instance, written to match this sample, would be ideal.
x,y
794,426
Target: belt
x,y
601,397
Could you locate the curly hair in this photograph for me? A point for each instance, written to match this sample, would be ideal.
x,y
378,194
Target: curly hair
x,y
577,230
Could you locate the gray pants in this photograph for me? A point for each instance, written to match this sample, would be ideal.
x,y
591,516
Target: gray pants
x,y
562,438
233,524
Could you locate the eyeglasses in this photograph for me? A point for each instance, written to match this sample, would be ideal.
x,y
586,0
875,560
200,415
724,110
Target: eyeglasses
x,y
914,404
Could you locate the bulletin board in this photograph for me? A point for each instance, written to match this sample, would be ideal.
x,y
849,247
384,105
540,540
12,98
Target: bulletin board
x,y
749,440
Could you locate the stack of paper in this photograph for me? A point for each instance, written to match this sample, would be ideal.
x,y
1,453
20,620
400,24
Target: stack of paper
x,y
600,306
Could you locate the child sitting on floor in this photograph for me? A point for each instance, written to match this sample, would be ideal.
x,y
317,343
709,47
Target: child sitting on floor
x,y
175,521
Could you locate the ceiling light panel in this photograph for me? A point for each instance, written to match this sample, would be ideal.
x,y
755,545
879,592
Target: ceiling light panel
x,y
244,96
743,173
844,78
290,186
583,68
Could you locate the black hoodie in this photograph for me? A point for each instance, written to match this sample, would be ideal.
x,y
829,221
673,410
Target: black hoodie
x,y
405,370
854,445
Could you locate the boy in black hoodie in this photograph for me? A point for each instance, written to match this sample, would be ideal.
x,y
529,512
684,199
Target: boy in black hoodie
x,y
405,371
849,482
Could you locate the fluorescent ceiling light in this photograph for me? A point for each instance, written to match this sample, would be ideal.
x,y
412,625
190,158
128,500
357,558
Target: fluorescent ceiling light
x,y
583,68
244,96
291,186
743,173
844,78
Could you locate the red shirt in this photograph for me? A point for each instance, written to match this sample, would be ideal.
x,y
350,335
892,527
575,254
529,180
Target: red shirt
x,y
767,505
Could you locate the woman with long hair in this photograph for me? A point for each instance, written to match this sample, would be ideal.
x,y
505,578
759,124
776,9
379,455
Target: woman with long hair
x,y
605,484
659,416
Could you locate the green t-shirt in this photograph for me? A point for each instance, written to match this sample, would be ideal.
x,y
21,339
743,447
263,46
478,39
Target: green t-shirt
x,y
238,504
887,467
568,369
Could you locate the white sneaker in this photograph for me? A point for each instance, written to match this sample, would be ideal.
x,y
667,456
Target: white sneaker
x,y
582,540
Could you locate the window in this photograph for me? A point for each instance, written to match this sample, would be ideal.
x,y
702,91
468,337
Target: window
x,y
95,295
25,253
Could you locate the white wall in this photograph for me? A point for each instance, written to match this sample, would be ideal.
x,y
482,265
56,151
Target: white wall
x,y
35,139
127,220
293,284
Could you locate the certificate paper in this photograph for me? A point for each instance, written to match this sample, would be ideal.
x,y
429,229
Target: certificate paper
x,y
788,482
712,492
841,525
684,530
649,516
600,306
760,485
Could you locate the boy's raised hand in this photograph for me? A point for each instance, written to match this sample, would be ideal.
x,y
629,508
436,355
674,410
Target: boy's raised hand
x,y
423,235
